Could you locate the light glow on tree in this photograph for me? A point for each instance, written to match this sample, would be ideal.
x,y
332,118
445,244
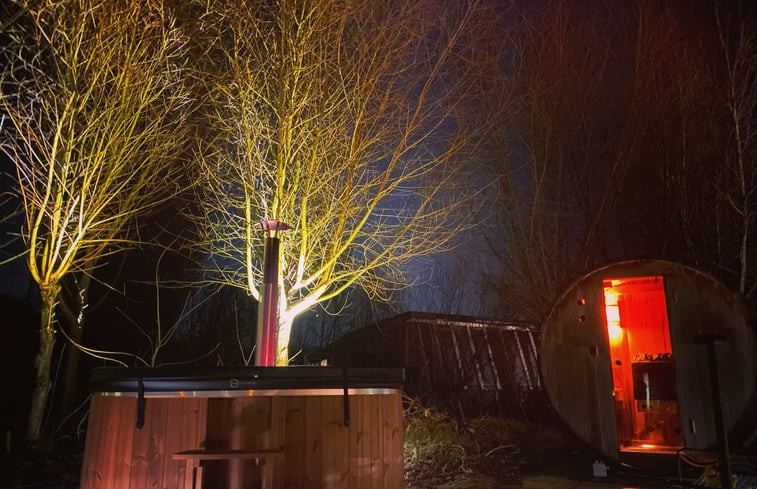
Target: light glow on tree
x,y
354,122
96,110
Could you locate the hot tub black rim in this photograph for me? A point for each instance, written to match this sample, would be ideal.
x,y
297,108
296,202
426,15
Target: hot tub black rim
x,y
229,381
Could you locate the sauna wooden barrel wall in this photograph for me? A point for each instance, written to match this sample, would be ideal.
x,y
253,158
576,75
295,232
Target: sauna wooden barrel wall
x,y
623,365
309,434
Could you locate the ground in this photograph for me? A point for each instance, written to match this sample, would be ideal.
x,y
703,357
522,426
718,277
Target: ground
x,y
566,471
488,454
61,471
40,471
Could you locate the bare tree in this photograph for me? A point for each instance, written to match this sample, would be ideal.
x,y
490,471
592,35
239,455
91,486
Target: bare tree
x,y
635,139
158,338
693,177
354,122
96,103
560,160
739,86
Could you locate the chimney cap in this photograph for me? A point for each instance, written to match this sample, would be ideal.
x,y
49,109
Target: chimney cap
x,y
272,225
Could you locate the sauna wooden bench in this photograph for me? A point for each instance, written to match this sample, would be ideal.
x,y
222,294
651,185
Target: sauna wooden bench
x,y
194,457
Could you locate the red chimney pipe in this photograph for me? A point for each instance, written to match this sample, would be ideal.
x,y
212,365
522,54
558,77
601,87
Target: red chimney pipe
x,y
265,349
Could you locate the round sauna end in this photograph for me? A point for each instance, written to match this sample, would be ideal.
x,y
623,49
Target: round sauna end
x,y
624,366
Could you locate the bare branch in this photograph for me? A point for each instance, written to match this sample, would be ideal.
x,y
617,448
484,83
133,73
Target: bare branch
x,y
358,124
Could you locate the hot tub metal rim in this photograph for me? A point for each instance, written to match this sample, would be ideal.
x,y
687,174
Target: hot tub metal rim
x,y
252,393
243,382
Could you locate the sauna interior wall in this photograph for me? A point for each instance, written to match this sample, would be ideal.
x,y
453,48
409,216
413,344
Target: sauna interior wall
x,y
639,338
319,450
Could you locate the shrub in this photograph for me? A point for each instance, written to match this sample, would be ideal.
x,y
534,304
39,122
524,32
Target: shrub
x,y
439,449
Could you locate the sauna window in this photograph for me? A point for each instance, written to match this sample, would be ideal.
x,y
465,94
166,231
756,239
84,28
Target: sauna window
x,y
642,363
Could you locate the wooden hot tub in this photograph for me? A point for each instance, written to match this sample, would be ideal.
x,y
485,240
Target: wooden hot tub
x,y
270,427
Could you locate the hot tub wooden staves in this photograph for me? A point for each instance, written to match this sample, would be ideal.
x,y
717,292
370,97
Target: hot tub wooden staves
x,y
305,438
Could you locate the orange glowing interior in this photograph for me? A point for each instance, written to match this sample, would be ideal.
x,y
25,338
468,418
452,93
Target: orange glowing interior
x,y
643,368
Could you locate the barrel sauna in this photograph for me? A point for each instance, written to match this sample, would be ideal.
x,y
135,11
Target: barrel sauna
x,y
624,363
268,427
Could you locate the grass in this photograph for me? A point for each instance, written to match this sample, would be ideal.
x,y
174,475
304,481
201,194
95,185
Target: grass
x,y
439,449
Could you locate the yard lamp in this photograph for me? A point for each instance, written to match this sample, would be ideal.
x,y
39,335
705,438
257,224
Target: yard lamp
x,y
265,349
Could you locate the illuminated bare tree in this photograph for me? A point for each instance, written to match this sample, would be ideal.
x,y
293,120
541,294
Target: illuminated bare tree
x,y
95,99
354,122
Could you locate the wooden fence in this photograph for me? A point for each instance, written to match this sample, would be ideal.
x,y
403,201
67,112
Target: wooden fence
x,y
471,366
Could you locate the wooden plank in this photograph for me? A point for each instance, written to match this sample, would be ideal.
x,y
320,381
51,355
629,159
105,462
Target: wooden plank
x,y
194,458
490,359
335,444
101,456
398,449
533,359
140,449
523,362
438,363
507,399
176,410
218,436
393,438
126,428
377,455
424,376
87,465
202,425
456,348
256,433
366,456
244,425
378,426
384,433
218,426
294,442
234,472
108,445
515,388
312,470
192,428
156,453
238,454
90,469
362,424
386,440
255,418
353,451
406,342
277,428
475,357
447,388
192,475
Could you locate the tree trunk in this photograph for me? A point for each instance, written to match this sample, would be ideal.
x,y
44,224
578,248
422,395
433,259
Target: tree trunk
x,y
42,363
76,319
282,340
71,370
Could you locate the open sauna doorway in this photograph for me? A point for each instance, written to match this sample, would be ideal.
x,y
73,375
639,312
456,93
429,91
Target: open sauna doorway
x,y
643,366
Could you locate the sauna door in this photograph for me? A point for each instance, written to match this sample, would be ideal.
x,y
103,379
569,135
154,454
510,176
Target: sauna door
x,y
643,365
